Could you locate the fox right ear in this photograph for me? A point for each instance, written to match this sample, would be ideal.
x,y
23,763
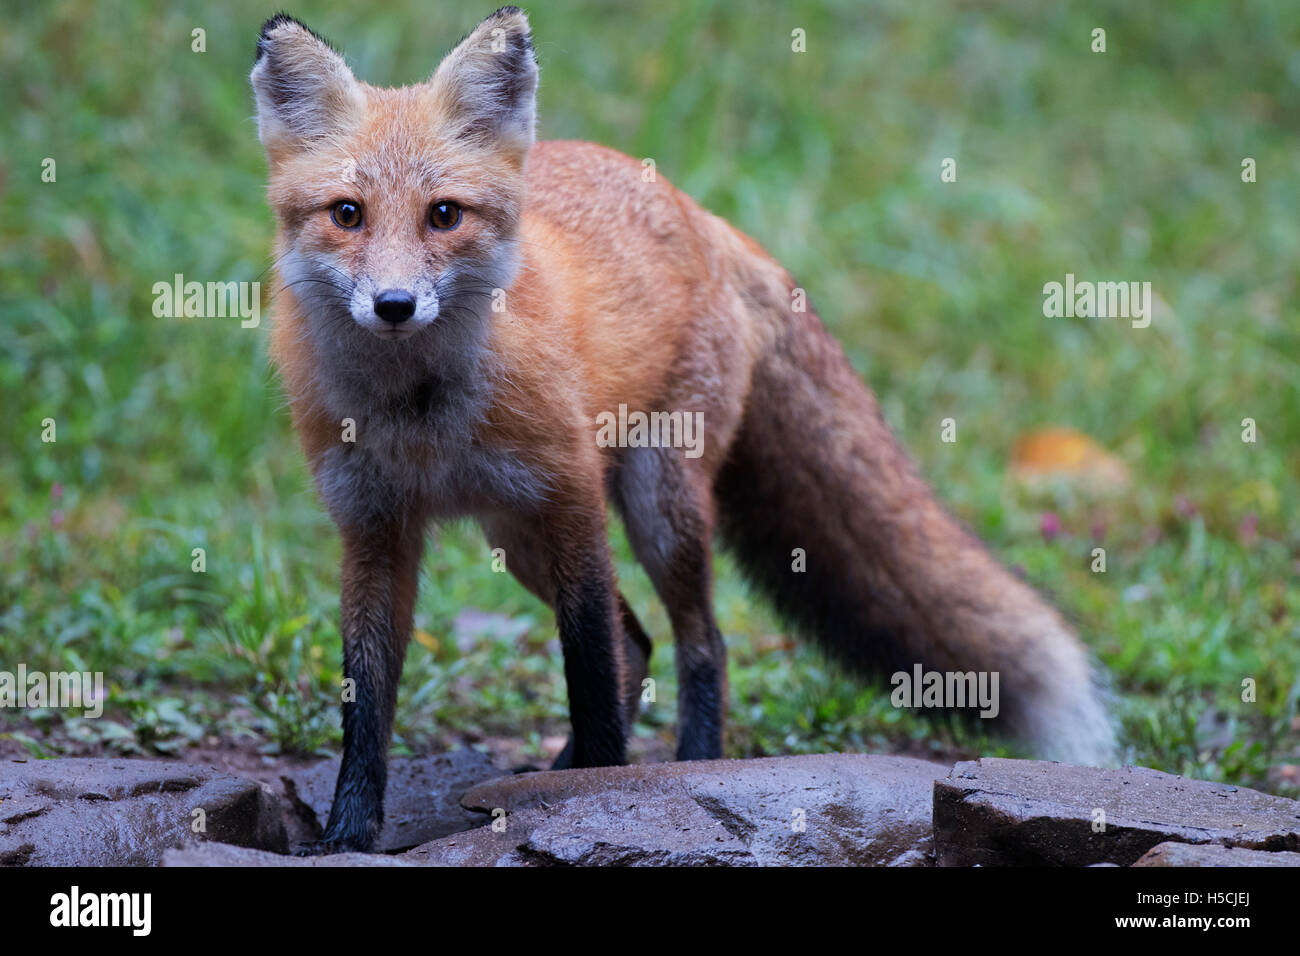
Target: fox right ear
x,y
486,88
304,89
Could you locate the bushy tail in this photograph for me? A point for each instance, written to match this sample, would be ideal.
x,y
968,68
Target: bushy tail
x,y
891,579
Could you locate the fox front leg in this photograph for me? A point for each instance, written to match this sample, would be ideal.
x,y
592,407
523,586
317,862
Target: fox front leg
x,y
539,566
591,637
380,579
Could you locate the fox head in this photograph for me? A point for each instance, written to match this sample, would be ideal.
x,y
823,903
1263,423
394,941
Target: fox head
x,y
398,209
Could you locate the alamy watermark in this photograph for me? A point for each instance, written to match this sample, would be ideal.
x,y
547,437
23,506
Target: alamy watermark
x,y
1100,300
133,911
76,690
651,430
179,299
946,689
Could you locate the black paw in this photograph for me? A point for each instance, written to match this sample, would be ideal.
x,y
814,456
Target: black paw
x,y
328,847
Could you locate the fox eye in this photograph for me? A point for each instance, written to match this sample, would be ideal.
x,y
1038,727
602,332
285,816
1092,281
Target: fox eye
x,y
346,214
444,215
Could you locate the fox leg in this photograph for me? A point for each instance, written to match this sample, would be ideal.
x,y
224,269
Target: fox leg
x,y
667,508
606,652
526,560
636,651
381,565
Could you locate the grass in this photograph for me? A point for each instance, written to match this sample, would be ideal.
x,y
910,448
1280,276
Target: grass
x,y
172,435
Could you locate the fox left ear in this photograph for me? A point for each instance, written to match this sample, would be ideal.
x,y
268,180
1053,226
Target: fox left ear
x,y
304,89
486,88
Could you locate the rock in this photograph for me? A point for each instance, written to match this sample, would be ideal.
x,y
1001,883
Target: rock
x,y
996,812
223,854
597,829
823,810
479,847
118,812
1212,854
622,828
422,801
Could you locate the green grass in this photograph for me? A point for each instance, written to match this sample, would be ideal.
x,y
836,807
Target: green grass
x,y
172,434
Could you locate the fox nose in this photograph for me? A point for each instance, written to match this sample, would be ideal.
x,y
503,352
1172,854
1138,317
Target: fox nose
x,y
394,305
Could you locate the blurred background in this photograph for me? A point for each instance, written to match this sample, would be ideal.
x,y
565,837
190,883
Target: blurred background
x,y
1072,434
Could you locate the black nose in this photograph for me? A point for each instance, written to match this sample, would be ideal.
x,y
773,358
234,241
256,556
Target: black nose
x,y
394,305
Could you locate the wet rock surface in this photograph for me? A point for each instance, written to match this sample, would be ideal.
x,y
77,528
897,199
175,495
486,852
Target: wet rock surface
x,y
996,812
620,829
422,801
457,809
1212,854
823,810
118,812
221,854
483,846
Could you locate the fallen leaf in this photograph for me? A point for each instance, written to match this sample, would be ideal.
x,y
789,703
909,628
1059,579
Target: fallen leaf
x,y
1066,453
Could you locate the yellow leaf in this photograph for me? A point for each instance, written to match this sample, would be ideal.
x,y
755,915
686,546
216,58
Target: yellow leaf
x,y
1065,452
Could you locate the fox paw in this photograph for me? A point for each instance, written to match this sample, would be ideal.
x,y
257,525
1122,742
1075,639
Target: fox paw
x,y
328,847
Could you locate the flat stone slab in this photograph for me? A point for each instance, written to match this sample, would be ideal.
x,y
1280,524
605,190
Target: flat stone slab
x,y
996,812
223,854
422,801
1212,854
479,847
118,812
817,810
627,829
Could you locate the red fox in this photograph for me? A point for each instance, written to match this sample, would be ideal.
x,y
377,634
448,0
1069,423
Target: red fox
x,y
476,303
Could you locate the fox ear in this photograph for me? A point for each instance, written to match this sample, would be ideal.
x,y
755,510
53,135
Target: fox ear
x,y
304,89
486,88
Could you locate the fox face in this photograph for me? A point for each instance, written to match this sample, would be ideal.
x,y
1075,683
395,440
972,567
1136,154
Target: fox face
x,y
398,209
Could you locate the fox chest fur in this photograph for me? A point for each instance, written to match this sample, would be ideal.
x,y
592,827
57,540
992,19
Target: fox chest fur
x,y
390,423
